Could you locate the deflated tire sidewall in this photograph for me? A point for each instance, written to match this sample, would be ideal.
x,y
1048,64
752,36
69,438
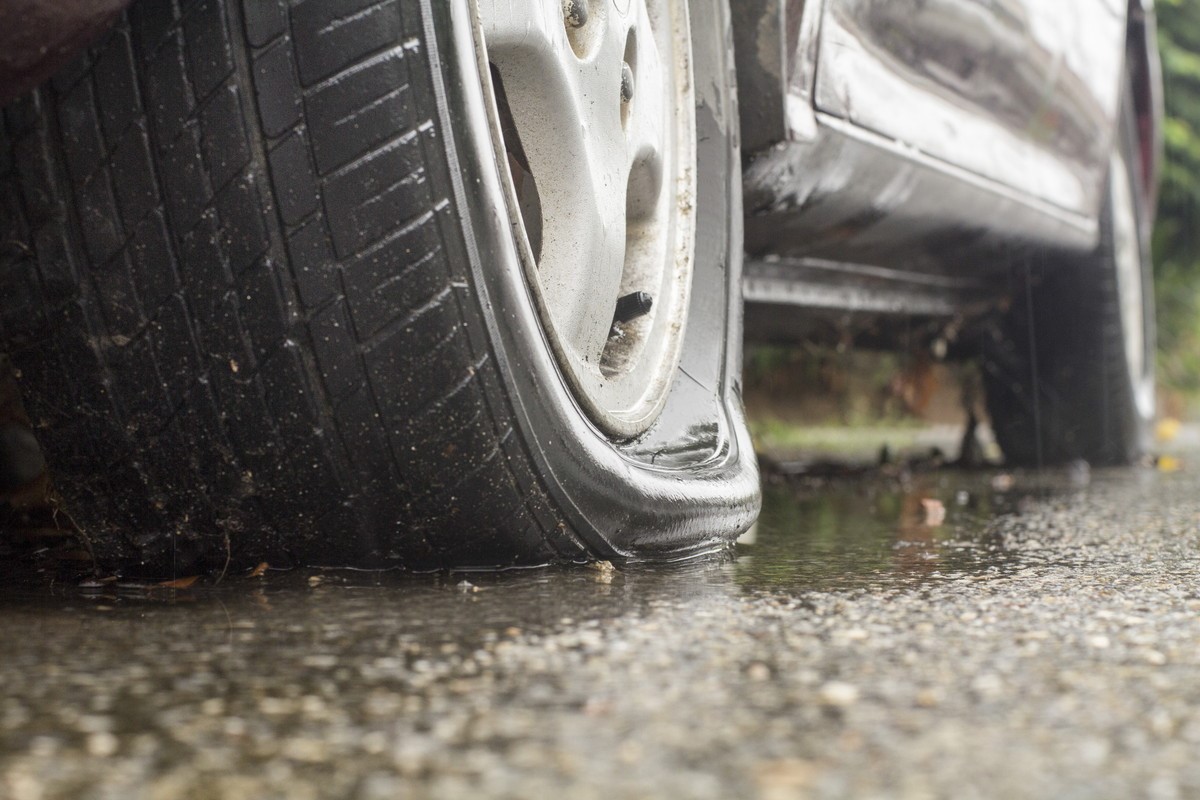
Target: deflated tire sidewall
x,y
618,498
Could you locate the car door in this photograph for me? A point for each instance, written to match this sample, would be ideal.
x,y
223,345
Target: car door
x,y
1021,92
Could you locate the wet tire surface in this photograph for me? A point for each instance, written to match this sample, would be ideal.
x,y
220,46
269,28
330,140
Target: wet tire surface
x,y
235,303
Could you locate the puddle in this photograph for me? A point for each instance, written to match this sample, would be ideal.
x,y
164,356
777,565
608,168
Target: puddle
x,y
841,534
818,536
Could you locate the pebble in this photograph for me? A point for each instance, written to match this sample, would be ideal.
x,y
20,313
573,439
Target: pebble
x,y
838,694
1049,651
102,744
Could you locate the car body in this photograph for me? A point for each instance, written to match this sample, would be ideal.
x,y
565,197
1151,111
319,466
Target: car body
x,y
900,152
447,283
897,151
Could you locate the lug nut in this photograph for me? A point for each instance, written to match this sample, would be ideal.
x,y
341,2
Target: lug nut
x,y
626,83
575,12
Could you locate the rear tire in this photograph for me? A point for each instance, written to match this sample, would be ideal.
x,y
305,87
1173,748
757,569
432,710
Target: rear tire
x,y
263,306
1070,374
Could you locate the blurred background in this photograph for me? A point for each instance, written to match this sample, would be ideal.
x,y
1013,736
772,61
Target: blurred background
x,y
1176,240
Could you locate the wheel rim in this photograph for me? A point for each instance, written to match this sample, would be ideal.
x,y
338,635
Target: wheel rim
x,y
594,116
1131,289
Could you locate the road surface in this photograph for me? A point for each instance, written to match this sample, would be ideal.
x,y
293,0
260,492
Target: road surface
x,y
1042,641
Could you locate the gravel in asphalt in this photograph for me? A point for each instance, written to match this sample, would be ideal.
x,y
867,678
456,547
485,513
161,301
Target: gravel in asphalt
x,y
1044,641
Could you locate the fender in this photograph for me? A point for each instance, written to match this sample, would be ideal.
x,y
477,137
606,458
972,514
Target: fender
x,y
775,44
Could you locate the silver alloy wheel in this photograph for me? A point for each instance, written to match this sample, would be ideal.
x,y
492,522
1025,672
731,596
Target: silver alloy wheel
x,y
1128,254
594,114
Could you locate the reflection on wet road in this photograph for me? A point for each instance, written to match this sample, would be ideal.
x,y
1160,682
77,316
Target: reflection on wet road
x,y
1041,640
866,533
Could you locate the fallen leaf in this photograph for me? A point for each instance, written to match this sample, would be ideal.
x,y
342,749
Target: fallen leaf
x,y
260,570
935,512
180,583
1003,482
1167,429
1169,464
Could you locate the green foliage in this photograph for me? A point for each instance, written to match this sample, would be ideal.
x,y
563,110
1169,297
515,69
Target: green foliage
x,y
1176,240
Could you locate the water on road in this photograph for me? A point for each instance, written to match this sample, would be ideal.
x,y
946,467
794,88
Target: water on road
x,y
938,634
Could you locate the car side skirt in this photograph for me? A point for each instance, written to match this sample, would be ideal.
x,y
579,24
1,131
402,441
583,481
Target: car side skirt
x,y
854,196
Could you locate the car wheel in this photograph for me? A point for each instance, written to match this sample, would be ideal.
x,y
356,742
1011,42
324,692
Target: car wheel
x,y
410,284
1072,374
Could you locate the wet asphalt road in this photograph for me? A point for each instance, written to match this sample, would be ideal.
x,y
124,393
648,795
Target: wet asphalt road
x,y
1043,642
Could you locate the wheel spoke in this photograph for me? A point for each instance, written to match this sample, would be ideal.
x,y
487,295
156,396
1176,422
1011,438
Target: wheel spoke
x,y
522,25
584,252
589,97
567,112
583,256
646,121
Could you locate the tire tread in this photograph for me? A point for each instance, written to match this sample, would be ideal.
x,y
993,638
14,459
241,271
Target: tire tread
x,y
232,306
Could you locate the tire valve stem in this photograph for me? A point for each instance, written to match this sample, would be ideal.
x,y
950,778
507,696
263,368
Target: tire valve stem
x,y
575,12
632,306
